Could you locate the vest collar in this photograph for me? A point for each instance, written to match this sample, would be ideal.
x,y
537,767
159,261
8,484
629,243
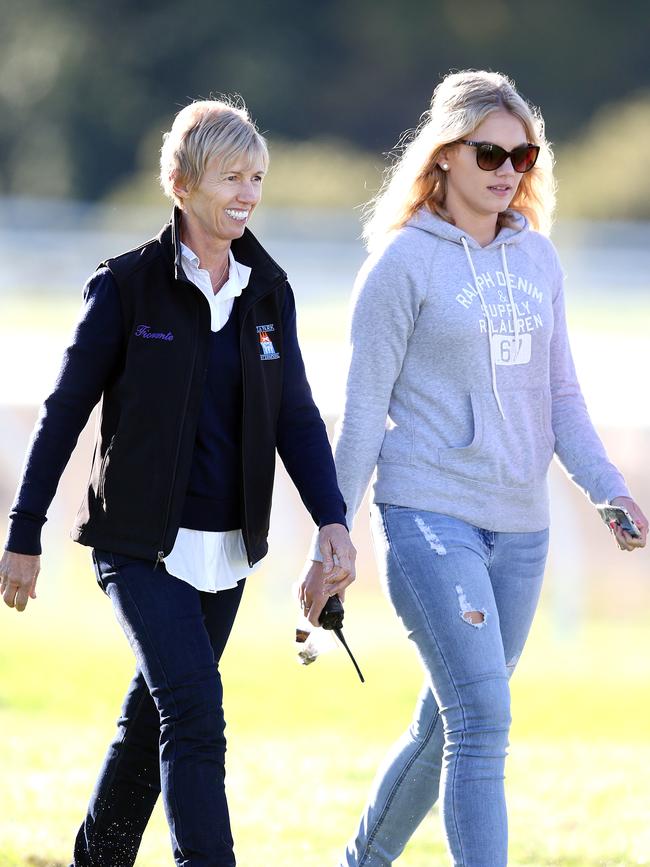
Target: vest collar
x,y
246,250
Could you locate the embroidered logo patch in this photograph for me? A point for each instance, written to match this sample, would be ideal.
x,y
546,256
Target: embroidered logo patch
x,y
267,350
146,332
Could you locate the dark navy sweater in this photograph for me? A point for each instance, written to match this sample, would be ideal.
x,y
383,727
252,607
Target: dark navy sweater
x,y
213,500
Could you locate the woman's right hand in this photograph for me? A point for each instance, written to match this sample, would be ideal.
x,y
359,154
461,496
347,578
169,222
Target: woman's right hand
x,y
623,539
18,574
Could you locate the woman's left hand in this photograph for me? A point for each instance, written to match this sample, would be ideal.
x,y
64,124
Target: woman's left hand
x,y
319,580
624,540
339,556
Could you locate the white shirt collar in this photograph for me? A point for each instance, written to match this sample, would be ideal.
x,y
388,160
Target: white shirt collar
x,y
238,274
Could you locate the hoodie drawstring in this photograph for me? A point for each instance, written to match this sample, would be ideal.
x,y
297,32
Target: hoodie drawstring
x,y
490,330
515,317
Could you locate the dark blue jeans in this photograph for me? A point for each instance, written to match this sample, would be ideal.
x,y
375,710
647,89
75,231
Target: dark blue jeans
x,y
170,736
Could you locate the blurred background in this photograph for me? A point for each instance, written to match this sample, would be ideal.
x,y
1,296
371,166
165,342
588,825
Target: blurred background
x,y
86,91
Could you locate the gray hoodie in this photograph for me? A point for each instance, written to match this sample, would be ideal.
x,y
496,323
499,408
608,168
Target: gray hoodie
x,y
461,384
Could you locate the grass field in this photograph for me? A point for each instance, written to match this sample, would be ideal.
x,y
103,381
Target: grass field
x,y
304,742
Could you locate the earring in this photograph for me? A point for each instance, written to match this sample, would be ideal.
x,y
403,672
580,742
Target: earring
x,y
445,167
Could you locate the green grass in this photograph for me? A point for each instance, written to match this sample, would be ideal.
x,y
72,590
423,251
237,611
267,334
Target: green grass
x,y
304,742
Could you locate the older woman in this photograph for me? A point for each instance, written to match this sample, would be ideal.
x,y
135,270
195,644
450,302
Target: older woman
x,y
190,343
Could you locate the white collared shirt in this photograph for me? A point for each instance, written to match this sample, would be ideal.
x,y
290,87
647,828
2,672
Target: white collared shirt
x,y
221,303
207,560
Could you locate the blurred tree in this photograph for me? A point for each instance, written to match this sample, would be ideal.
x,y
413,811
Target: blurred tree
x,y
82,84
321,173
605,172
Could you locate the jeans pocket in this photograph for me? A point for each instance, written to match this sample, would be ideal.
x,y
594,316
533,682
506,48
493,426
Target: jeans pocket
x,y
386,508
108,565
99,565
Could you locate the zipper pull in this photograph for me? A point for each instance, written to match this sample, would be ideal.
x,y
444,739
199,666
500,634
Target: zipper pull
x,y
159,559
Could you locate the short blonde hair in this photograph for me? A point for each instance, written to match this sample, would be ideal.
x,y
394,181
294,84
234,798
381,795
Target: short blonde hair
x,y
203,130
459,104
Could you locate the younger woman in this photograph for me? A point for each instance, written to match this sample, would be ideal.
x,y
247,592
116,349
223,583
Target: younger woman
x,y
460,391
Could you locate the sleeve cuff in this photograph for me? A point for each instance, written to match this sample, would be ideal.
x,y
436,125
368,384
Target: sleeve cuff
x,y
611,486
334,517
24,536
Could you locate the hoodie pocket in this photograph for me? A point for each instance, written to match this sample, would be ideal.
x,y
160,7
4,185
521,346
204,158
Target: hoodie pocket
x,y
459,456
511,453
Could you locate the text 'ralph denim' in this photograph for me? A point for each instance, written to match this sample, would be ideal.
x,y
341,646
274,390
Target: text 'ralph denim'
x,y
466,598
170,736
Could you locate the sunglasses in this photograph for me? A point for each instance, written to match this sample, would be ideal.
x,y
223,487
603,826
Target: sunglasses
x,y
490,156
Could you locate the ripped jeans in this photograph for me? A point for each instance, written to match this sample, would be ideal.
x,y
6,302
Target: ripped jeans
x,y
466,597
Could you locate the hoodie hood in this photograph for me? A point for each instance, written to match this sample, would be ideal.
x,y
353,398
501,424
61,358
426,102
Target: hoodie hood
x,y
435,225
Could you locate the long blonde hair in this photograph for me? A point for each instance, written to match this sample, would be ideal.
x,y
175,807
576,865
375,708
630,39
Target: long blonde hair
x,y
459,104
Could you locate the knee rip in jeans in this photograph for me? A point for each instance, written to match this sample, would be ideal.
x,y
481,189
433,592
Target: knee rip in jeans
x,y
474,617
434,542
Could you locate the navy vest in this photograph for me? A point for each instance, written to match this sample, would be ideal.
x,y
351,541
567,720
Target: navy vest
x,y
144,460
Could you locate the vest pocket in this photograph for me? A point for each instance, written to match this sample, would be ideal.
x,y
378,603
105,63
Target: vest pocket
x,y
102,474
